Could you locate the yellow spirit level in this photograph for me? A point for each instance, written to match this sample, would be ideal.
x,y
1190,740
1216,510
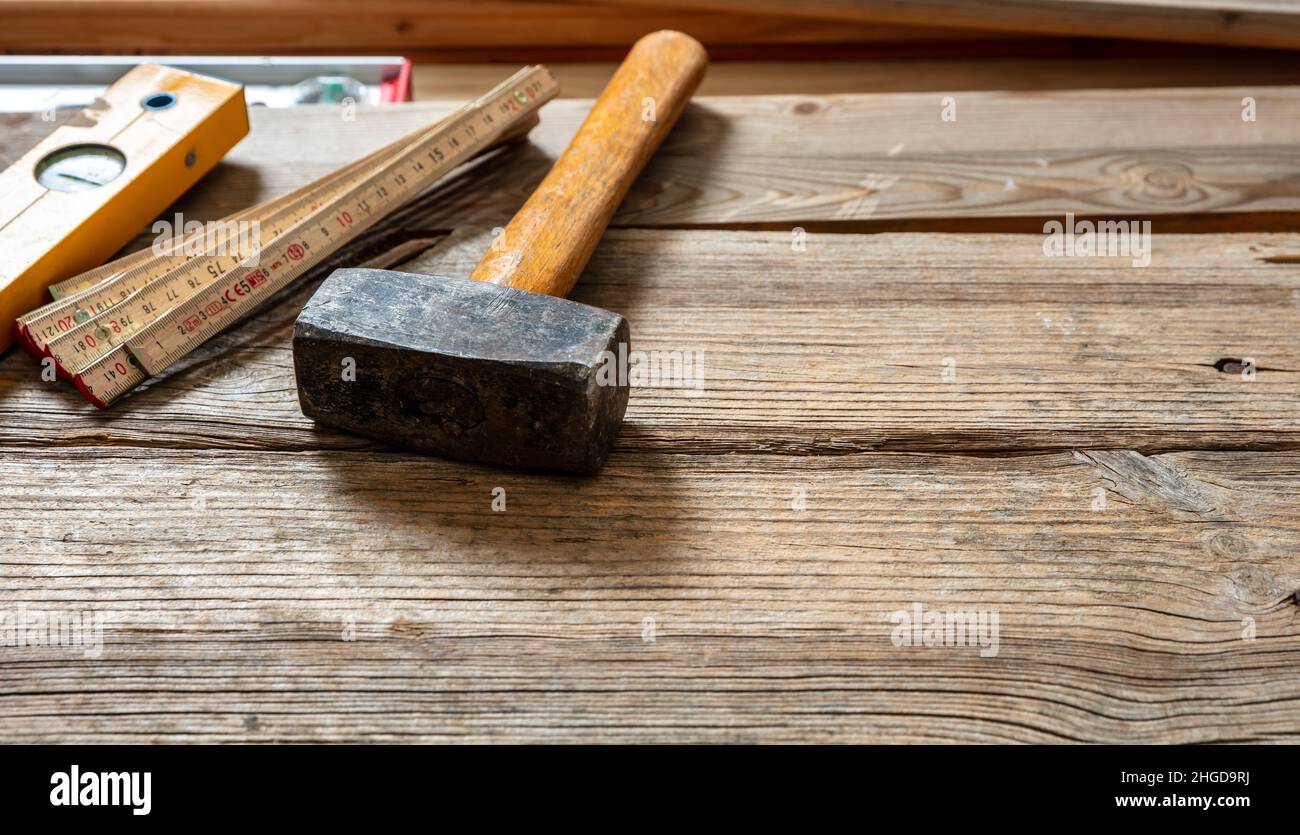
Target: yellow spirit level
x,y
81,194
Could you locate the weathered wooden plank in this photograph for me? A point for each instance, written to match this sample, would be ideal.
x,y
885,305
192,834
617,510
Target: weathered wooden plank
x,y
1139,598
920,340
852,158
898,341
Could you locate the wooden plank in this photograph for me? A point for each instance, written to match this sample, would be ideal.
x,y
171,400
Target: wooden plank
x,y
872,157
497,28
851,340
1139,599
841,159
890,341
1261,23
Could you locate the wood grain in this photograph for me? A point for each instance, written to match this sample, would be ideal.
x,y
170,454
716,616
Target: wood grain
x,y
228,583
549,240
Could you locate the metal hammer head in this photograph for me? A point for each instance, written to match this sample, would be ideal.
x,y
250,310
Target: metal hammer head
x,y
462,369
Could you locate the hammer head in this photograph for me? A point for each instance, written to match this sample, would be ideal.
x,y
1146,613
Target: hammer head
x,y
462,369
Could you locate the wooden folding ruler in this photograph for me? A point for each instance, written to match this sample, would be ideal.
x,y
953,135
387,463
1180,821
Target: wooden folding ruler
x,y
111,328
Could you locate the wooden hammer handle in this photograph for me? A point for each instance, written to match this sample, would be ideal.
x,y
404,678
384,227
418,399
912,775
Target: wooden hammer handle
x,y
547,243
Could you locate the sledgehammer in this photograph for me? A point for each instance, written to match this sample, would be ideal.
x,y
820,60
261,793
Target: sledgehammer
x,y
500,368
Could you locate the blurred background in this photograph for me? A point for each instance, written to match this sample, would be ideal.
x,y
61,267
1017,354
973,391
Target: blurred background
x,y
439,49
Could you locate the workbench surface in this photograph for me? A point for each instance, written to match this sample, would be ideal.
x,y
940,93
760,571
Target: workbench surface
x,y
905,404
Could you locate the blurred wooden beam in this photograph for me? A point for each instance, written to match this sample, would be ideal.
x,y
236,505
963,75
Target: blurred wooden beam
x,y
1175,67
582,30
493,29
1258,23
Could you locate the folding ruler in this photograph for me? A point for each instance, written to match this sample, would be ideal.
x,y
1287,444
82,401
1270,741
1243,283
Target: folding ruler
x,y
113,327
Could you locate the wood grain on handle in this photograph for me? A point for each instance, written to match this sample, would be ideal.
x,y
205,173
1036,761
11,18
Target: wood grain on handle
x,y
547,243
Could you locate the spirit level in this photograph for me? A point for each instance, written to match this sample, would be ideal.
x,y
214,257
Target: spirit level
x,y
86,189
